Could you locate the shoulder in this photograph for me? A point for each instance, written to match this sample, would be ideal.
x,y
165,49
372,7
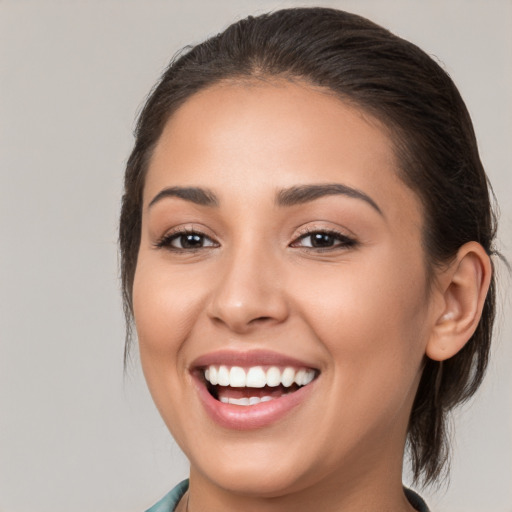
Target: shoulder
x,y
171,499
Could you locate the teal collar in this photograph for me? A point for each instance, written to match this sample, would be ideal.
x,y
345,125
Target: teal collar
x,y
170,501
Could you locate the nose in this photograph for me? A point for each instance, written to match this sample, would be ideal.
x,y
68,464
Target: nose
x,y
249,292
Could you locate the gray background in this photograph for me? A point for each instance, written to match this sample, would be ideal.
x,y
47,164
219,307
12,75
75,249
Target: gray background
x,y
75,435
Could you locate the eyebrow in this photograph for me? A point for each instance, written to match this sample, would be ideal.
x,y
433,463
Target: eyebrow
x,y
292,196
305,193
197,195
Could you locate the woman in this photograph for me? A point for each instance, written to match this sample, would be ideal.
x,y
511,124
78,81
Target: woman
x,y
306,236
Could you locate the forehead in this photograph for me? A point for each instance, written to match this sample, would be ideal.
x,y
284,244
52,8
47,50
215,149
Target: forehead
x,y
254,136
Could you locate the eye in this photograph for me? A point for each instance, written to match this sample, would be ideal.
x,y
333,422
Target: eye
x,y
322,239
186,240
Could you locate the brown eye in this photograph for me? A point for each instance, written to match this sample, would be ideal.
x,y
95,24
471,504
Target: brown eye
x,y
324,240
186,241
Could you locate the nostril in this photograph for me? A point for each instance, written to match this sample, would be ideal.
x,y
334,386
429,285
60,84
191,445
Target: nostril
x,y
261,319
243,324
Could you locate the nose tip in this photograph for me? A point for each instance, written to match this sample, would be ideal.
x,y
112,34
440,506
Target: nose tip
x,y
247,297
241,318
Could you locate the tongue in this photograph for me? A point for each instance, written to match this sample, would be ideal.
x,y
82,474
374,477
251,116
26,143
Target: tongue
x,y
274,392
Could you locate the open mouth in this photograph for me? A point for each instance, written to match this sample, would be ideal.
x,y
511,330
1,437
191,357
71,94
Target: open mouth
x,y
256,384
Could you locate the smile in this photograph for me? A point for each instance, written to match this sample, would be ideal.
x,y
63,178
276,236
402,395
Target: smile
x,y
250,386
253,389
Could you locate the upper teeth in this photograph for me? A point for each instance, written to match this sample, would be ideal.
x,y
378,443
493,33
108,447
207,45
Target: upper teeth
x,y
257,376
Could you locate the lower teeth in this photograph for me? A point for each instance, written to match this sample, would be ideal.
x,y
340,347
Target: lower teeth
x,y
253,400
222,394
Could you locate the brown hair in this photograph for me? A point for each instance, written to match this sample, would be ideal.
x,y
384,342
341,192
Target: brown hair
x,y
415,99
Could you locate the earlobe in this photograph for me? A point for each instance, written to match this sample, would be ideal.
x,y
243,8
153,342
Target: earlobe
x,y
464,286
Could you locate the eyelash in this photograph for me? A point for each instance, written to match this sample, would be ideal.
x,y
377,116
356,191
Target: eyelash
x,y
344,241
167,240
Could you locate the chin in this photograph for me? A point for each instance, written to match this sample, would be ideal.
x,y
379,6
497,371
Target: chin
x,y
267,479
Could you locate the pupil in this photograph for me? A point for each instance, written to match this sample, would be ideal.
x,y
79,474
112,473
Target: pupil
x,y
191,241
322,240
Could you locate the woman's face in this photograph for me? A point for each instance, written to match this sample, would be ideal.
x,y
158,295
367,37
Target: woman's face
x,y
279,245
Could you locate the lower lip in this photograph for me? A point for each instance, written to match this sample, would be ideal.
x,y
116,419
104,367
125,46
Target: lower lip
x,y
248,417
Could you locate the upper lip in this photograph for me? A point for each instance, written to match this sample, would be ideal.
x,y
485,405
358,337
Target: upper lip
x,y
248,358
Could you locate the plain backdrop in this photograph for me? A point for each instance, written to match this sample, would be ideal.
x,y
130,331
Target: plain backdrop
x,y
75,434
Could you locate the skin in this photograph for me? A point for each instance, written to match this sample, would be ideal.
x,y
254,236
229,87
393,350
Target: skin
x,y
362,313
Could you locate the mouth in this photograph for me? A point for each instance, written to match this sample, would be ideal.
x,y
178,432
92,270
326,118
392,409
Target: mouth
x,y
250,386
251,389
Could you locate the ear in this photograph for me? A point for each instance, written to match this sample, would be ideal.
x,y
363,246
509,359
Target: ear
x,y
463,286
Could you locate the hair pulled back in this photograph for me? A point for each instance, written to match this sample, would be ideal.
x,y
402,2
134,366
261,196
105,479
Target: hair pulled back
x,y
409,93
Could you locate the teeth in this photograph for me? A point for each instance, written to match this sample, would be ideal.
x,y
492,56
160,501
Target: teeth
x,y
273,376
257,377
288,377
223,376
308,377
253,400
239,401
299,377
212,375
237,377
304,377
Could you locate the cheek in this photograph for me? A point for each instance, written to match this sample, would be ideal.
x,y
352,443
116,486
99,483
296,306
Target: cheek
x,y
164,312
370,315
165,305
164,315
